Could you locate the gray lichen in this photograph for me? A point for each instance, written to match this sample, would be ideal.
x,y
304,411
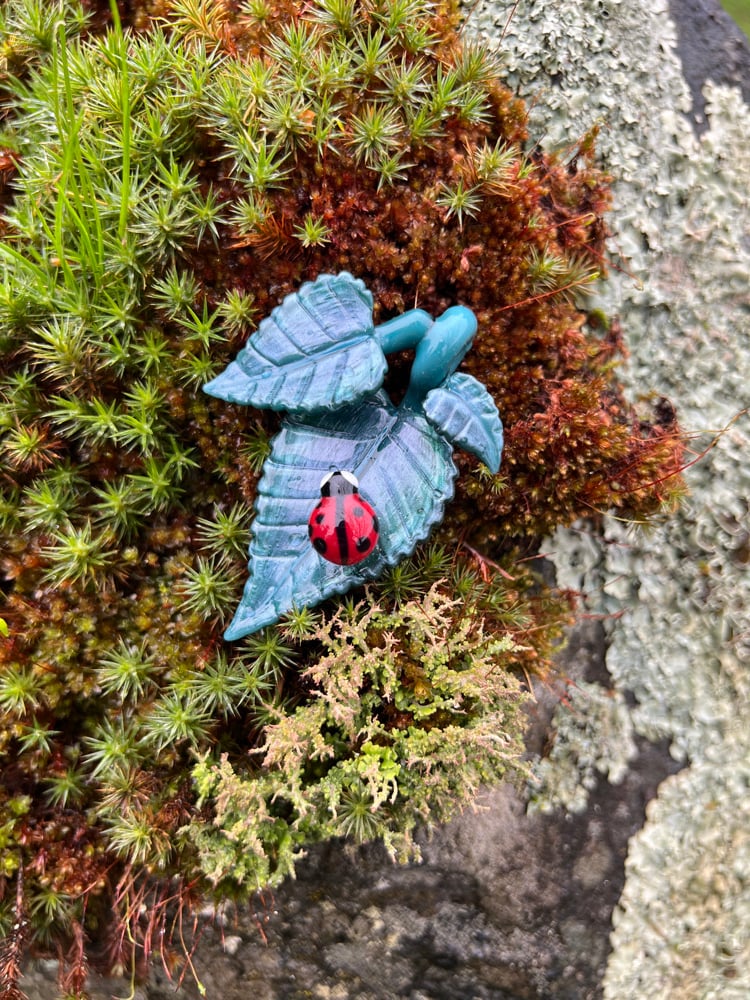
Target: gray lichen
x,y
682,646
593,737
683,925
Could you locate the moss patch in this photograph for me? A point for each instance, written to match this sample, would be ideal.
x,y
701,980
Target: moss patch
x,y
164,188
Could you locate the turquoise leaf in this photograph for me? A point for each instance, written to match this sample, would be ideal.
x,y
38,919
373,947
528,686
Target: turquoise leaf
x,y
405,471
463,410
316,351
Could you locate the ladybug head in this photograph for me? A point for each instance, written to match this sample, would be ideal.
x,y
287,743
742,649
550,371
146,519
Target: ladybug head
x,y
339,483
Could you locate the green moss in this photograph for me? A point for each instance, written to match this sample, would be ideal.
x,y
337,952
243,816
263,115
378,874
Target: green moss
x,y
168,189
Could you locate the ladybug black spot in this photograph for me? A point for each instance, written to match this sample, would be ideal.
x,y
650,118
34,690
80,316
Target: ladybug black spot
x,y
363,544
320,545
320,518
375,525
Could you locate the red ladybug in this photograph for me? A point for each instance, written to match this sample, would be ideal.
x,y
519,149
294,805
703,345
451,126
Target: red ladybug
x,y
343,527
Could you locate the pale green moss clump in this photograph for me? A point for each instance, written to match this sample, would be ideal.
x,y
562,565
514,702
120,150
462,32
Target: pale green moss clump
x,y
387,739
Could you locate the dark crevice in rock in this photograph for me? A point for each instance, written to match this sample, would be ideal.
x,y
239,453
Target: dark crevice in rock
x,y
711,47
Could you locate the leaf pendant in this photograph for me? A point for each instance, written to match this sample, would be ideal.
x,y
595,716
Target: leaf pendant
x,y
463,410
319,356
405,470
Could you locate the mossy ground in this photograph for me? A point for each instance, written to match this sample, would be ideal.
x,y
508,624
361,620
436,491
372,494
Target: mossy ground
x,y
164,188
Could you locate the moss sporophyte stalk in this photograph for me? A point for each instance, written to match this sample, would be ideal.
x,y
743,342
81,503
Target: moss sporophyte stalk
x,y
166,182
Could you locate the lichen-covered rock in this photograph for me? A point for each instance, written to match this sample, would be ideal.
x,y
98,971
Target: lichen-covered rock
x,y
711,46
593,737
680,220
683,926
680,224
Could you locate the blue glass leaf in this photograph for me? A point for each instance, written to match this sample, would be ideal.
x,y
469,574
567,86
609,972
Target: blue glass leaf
x,y
405,471
316,351
463,410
